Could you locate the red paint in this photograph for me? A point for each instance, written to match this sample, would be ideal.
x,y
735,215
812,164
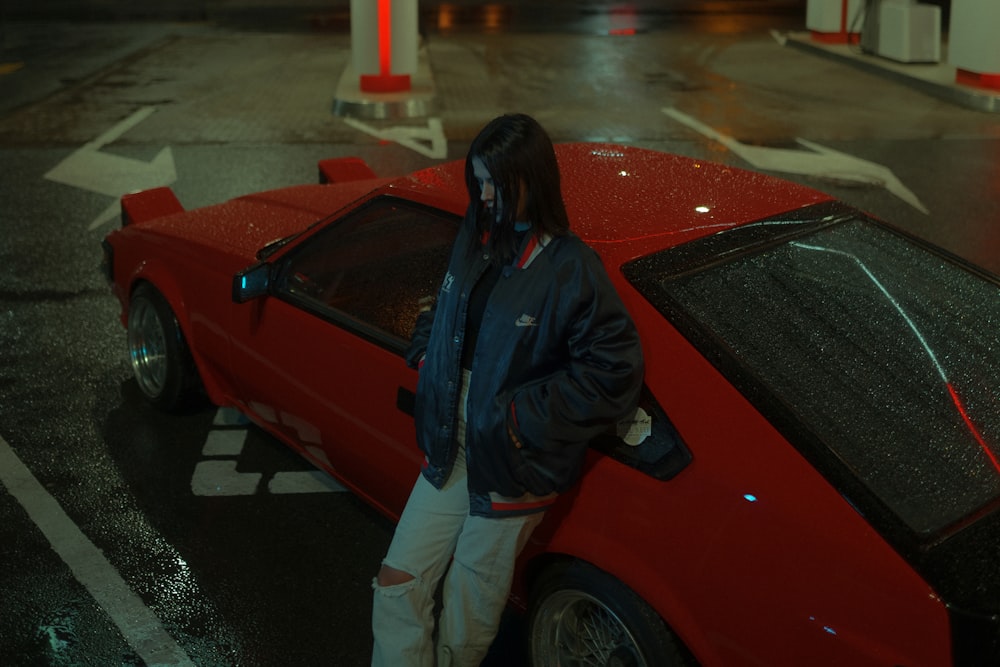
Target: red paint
x,y
385,35
842,37
385,81
742,584
977,79
149,204
344,169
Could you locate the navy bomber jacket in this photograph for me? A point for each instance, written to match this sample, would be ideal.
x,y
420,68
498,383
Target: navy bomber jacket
x,y
558,359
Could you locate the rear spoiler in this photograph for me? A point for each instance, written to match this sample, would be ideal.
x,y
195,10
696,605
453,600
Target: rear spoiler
x,y
158,202
149,204
342,169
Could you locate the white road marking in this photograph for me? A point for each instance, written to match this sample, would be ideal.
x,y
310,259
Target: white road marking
x,y
219,477
304,481
139,626
226,416
109,214
819,161
224,442
88,168
428,141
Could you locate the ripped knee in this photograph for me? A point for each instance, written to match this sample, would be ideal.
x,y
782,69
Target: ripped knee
x,y
390,576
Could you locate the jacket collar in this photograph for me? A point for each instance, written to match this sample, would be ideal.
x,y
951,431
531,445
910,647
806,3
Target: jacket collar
x,y
531,246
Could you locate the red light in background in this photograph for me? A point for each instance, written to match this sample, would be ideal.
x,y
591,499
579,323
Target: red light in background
x,y
385,35
623,21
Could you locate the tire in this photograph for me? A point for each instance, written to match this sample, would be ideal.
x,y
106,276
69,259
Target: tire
x,y
582,617
161,361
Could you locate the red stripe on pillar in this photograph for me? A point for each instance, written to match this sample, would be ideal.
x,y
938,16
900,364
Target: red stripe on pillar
x,y
385,36
977,79
385,81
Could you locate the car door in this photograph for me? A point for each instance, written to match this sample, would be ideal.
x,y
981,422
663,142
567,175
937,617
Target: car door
x,y
320,360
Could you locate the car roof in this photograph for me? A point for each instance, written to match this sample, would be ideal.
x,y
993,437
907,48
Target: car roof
x,y
621,193
637,198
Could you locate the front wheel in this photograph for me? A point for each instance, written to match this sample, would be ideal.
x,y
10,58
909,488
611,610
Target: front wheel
x,y
583,617
161,361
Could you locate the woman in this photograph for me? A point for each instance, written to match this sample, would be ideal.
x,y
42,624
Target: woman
x,y
527,355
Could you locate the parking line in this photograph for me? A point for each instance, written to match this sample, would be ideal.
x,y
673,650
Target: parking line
x,y
140,627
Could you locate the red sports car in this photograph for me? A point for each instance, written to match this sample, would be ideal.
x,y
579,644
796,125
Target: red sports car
x,y
812,476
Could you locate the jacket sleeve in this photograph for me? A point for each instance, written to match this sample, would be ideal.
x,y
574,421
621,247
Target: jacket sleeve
x,y
421,335
425,320
602,377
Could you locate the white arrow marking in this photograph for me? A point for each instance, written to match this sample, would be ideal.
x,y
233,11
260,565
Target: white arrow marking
x,y
429,141
90,169
109,214
819,161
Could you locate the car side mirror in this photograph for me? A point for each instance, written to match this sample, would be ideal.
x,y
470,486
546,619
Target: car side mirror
x,y
252,282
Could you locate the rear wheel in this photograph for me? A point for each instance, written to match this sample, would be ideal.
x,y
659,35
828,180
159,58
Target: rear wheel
x,y
161,361
583,617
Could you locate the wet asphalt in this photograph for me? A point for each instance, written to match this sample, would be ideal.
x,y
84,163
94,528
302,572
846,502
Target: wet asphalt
x,y
206,568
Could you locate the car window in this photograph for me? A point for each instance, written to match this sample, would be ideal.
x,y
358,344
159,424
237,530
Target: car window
x,y
885,351
646,440
373,270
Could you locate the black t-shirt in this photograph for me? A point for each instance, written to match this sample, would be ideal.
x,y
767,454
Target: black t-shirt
x,y
477,306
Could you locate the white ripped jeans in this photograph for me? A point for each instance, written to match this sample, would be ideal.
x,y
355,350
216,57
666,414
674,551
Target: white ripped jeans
x,y
436,529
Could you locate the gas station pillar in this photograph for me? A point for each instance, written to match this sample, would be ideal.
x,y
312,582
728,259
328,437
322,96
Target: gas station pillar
x,y
973,46
835,21
384,44
388,75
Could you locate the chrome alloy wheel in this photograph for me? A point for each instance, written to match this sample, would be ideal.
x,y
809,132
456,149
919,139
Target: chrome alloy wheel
x,y
147,347
575,629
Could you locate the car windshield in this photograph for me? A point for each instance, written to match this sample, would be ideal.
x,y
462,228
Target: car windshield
x,y
884,350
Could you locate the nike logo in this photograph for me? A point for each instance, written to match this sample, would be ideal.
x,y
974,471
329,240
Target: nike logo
x,y
526,321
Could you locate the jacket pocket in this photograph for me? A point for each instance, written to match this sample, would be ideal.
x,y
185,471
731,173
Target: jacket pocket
x,y
542,468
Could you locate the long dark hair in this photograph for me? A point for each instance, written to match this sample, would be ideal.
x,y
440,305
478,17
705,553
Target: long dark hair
x,y
519,155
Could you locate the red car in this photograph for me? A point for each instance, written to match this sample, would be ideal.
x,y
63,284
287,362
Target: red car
x,y
812,474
